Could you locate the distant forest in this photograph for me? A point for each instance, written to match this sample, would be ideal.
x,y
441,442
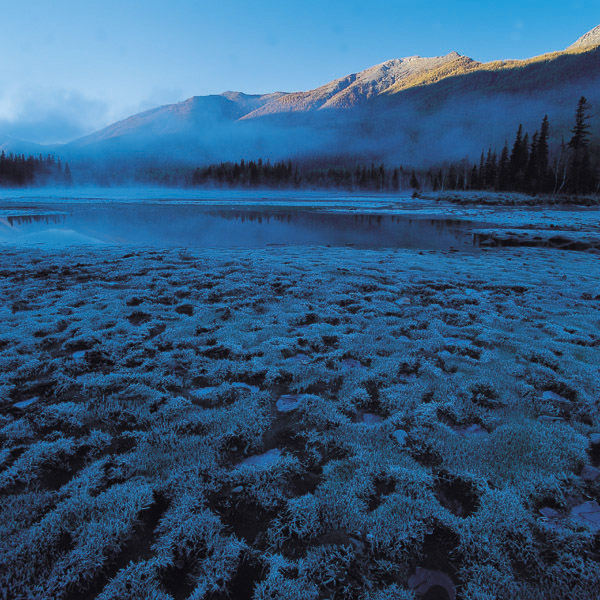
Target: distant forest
x,y
527,166
18,170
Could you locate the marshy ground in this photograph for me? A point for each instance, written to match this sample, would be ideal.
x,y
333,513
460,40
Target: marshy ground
x,y
299,423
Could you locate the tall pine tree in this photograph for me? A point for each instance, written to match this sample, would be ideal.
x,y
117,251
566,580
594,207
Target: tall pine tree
x,y
580,163
543,156
518,159
504,169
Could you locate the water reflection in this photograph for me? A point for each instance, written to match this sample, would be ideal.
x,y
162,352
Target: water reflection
x,y
337,228
20,220
204,226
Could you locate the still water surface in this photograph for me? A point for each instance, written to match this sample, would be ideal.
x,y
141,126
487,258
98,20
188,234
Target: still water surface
x,y
205,225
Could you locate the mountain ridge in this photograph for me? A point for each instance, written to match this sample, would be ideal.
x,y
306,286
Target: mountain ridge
x,y
10,144
396,110
351,89
589,39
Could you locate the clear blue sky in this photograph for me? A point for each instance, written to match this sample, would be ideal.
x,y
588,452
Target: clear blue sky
x,y
71,66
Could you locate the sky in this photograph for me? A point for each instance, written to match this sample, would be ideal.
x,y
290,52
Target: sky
x,y
68,68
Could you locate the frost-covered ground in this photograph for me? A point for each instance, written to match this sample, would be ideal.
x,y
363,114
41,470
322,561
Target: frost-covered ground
x,y
509,199
299,423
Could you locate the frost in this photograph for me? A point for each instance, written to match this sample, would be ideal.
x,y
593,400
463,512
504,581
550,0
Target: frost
x,y
300,430
263,460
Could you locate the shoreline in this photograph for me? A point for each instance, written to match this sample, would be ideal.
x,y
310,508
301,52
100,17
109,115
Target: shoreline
x,y
146,192
479,198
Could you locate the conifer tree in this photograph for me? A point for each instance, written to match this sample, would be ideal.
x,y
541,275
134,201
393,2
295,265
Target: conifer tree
x,y
67,174
532,170
481,171
474,181
518,159
580,163
490,170
504,169
395,180
543,155
414,181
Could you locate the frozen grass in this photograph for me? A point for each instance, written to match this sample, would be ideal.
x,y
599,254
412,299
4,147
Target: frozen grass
x,y
510,198
298,423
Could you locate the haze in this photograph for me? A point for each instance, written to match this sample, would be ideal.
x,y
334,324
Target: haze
x,y
71,68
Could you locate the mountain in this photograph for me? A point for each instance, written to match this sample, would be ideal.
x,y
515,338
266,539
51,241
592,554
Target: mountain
x,y
412,110
14,145
208,111
591,38
353,89
193,113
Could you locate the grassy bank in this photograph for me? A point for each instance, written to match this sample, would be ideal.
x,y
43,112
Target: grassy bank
x,y
510,199
299,423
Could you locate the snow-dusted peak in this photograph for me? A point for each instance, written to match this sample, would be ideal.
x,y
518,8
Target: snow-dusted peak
x,y
591,38
355,88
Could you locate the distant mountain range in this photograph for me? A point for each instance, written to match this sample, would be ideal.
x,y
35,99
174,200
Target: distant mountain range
x,y
412,110
14,145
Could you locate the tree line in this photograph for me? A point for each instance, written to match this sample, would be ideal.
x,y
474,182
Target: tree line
x,y
529,166
19,170
315,174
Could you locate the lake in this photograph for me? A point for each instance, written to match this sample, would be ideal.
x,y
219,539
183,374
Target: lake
x,y
241,222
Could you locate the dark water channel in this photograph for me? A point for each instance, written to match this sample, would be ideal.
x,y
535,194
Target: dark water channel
x,y
217,226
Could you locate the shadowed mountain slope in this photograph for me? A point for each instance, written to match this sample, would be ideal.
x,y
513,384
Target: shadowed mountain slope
x,y
195,112
412,110
9,144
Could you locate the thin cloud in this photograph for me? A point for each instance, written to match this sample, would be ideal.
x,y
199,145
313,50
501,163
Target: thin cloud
x,y
48,117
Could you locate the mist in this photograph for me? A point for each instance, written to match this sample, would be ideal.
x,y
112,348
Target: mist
x,y
51,116
394,131
420,127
